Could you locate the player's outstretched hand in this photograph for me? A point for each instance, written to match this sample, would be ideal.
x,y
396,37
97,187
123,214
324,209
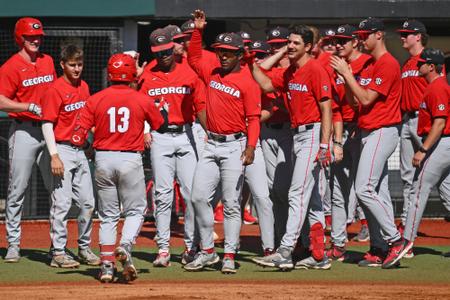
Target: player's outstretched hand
x,y
199,18
249,57
147,140
248,155
338,153
57,166
35,109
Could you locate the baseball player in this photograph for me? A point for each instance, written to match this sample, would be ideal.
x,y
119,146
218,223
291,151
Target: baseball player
x,y
431,161
173,153
69,165
24,79
233,112
346,142
378,96
118,114
277,38
309,92
413,36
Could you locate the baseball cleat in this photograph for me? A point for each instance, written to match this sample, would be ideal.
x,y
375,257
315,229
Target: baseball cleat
x,y
162,260
107,272
396,252
228,266
202,260
407,251
312,263
86,256
248,218
13,254
188,256
123,255
336,253
281,259
409,254
363,234
64,261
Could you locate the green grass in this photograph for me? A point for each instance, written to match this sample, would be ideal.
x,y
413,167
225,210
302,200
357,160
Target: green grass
x,y
427,267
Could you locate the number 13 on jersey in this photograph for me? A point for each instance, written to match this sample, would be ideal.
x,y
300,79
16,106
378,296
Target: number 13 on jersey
x,y
122,125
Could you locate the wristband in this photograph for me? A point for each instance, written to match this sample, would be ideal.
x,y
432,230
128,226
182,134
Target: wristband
x,y
323,146
423,150
336,143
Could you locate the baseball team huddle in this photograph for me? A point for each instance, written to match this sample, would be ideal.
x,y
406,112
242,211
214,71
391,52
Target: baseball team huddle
x,y
304,121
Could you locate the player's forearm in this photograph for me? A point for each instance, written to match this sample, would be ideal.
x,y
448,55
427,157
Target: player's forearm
x,y
351,99
361,94
253,130
272,60
8,105
435,133
49,137
201,115
195,49
263,81
338,128
326,121
265,115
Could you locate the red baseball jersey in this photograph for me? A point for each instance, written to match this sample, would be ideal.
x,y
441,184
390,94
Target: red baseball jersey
x,y
61,104
231,98
25,82
181,89
383,77
306,87
413,85
358,65
118,114
435,103
279,113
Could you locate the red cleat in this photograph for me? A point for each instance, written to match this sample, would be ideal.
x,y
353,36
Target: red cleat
x,y
218,214
248,218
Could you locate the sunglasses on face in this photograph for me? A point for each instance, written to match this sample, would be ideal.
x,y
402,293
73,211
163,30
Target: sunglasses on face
x,y
179,40
406,34
341,41
261,55
225,52
164,53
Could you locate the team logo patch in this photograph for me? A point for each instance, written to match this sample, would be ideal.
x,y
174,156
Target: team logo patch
x,y
117,64
36,26
378,81
256,44
441,107
405,25
330,32
160,39
325,88
362,24
245,35
276,32
341,29
76,138
227,39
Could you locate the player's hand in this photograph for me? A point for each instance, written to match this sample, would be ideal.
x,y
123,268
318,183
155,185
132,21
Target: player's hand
x,y
248,155
418,158
199,19
147,140
35,109
57,166
339,65
249,57
338,153
324,157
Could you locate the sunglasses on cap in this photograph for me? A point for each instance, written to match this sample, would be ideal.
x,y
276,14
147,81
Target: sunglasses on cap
x,y
179,40
226,52
164,53
364,35
406,34
261,55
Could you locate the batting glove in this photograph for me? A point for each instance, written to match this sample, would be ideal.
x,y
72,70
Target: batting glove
x,y
323,156
35,109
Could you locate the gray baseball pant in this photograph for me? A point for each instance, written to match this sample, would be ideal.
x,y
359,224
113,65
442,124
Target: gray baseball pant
x,y
219,162
255,176
304,178
435,170
173,156
120,181
276,145
343,176
410,143
371,183
25,148
76,185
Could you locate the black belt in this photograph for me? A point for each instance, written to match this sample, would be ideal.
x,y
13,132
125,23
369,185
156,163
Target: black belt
x,y
175,128
32,123
412,114
67,143
302,128
275,125
125,151
225,138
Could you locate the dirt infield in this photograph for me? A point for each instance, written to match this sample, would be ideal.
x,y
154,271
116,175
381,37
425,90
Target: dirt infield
x,y
222,290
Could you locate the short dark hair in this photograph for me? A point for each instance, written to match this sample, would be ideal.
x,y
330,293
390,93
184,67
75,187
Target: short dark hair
x,y
71,52
439,68
305,32
424,39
